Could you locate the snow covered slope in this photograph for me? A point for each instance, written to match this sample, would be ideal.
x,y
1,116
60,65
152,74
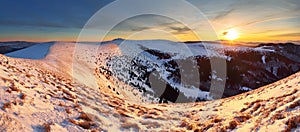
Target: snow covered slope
x,y
44,95
149,63
38,51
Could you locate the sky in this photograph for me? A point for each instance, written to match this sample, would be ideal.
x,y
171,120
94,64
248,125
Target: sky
x,y
57,20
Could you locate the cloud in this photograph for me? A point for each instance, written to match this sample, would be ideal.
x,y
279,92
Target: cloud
x,y
179,30
222,14
264,20
287,35
232,14
150,22
172,27
56,15
37,24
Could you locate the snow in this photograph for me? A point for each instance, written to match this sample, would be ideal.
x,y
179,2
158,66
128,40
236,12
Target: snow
x,y
263,58
246,89
221,48
76,105
229,58
38,51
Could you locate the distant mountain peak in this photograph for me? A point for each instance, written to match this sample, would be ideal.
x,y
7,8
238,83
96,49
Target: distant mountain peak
x,y
118,39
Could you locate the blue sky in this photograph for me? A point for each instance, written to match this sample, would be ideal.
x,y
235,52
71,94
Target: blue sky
x,y
57,20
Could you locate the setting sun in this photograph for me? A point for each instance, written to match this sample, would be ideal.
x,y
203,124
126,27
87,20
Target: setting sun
x,y
231,34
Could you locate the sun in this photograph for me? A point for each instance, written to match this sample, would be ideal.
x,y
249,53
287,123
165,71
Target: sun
x,y
231,34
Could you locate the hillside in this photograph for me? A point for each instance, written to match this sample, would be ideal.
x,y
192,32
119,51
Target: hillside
x,y
57,94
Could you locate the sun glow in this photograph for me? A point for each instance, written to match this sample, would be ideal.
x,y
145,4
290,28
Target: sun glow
x,y
231,34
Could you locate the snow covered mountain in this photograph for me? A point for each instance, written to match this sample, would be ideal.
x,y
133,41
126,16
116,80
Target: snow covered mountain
x,y
55,93
247,68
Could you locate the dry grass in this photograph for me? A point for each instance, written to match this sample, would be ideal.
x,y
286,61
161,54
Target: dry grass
x,y
7,105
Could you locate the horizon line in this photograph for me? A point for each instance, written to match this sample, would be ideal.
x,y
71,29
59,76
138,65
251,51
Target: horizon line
x,y
192,41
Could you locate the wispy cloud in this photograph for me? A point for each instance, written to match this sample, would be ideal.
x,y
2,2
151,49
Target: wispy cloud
x,y
48,24
263,20
179,30
152,22
222,14
287,35
251,16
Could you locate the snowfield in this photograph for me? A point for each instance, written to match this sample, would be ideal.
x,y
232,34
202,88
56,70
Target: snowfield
x,y
74,91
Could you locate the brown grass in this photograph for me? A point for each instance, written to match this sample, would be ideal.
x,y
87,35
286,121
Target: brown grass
x,y
47,127
292,123
6,105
